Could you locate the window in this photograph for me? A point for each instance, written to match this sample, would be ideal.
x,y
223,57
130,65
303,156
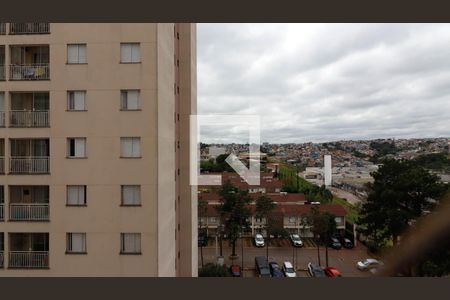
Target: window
x,y
76,243
130,243
212,220
131,195
76,195
291,219
130,147
76,54
76,100
129,99
130,53
76,147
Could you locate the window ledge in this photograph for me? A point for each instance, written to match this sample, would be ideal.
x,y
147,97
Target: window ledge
x,y
130,63
130,253
130,205
76,110
69,63
74,157
123,109
131,157
76,205
75,253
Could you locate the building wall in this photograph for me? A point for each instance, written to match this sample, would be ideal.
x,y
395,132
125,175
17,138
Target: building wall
x,y
103,171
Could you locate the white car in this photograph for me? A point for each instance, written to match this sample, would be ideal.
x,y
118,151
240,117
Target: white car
x,y
296,241
368,263
259,240
288,269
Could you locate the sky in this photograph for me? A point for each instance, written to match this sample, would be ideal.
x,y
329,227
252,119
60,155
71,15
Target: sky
x,y
325,82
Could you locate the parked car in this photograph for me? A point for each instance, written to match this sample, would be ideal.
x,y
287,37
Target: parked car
x,y
315,270
332,272
288,269
202,240
262,266
235,270
259,240
368,263
296,241
335,244
347,243
275,270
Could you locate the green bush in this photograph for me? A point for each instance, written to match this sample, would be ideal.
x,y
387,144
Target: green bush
x,y
214,270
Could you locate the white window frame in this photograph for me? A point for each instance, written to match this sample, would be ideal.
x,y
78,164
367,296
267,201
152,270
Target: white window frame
x,y
73,100
125,99
78,56
81,195
134,191
81,249
292,219
135,151
137,243
133,55
80,145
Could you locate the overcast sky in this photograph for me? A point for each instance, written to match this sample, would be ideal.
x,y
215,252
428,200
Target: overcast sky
x,y
326,82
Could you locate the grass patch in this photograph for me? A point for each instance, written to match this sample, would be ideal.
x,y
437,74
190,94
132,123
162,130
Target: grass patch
x,y
352,211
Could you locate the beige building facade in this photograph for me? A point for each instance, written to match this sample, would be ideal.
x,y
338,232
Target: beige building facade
x,y
94,149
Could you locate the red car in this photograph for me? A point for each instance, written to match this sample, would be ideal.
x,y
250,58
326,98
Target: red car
x,y
235,271
332,272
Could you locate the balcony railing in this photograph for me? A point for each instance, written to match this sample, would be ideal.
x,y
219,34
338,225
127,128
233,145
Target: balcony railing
x,y
2,165
2,213
2,72
2,28
1,259
29,72
28,212
2,119
28,259
29,165
20,118
29,28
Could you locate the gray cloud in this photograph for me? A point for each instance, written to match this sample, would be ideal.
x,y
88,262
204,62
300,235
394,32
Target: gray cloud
x,y
321,82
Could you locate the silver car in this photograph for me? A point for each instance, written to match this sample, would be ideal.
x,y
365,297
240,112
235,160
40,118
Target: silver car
x,y
368,263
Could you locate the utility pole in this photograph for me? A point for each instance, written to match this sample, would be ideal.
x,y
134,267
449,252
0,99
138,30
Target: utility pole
x,y
318,250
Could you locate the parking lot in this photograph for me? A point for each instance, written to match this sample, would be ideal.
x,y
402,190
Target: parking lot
x,y
281,250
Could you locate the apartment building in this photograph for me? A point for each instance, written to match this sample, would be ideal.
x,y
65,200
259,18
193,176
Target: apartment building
x,y
94,149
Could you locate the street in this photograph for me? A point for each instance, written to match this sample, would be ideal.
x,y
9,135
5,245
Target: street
x,y
344,260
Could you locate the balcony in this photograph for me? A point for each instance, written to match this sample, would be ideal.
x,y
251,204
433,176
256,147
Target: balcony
x,y
29,63
2,28
2,259
28,212
28,251
28,118
29,109
29,165
28,259
29,28
2,63
30,72
29,156
2,212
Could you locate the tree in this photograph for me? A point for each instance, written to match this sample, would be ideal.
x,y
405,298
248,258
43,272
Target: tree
x,y
214,270
323,226
264,209
234,211
401,191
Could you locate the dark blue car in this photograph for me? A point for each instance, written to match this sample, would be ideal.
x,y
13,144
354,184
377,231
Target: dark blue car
x,y
275,270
